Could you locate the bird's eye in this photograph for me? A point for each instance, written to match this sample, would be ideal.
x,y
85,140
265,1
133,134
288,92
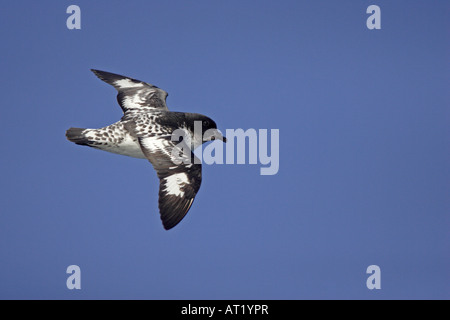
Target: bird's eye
x,y
206,123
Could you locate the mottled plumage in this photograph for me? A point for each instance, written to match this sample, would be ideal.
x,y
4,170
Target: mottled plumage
x,y
146,131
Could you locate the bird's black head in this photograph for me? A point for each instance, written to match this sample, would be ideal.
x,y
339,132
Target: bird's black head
x,y
207,126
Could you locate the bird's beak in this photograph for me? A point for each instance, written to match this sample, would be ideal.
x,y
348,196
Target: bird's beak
x,y
215,134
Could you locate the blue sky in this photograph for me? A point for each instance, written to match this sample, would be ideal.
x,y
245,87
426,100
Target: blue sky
x,y
364,175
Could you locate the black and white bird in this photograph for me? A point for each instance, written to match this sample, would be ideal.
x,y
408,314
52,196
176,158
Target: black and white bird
x,y
146,131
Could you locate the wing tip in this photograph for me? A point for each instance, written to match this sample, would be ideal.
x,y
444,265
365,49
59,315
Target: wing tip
x,y
96,72
103,75
170,224
171,220
167,226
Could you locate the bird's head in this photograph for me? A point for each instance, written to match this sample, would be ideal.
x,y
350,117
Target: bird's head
x,y
210,131
205,129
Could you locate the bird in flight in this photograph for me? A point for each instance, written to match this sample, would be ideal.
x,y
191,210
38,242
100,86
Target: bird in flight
x,y
147,130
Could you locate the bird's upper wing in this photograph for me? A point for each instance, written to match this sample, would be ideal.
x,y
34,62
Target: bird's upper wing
x,y
134,96
180,175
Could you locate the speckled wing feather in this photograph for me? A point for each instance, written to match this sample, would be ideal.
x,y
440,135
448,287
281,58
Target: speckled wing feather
x,y
134,96
180,175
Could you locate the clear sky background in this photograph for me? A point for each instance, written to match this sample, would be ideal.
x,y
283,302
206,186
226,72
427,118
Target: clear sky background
x,y
364,150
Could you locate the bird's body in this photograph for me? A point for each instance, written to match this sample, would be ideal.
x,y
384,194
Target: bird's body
x,y
122,137
146,131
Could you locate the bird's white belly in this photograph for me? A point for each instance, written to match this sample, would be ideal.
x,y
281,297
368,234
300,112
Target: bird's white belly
x,y
128,147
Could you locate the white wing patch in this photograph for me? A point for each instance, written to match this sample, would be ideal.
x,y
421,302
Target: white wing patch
x,y
135,96
127,83
174,183
130,102
139,98
155,144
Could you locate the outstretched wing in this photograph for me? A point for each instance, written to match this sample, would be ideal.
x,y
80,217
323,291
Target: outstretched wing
x,y
134,96
180,175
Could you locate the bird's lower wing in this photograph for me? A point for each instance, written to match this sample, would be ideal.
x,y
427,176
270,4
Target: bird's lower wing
x,y
180,175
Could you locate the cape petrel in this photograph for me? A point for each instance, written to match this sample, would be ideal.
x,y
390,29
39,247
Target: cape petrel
x,y
146,131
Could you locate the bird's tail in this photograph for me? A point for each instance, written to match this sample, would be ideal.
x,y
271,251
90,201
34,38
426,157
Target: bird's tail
x,y
77,136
